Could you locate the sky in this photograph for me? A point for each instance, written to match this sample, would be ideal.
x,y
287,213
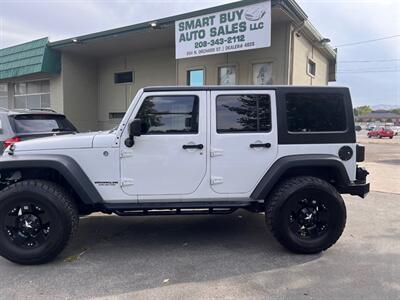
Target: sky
x,y
376,81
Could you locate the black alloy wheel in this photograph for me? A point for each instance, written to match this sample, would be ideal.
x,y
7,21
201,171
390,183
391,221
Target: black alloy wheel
x,y
306,214
27,225
37,219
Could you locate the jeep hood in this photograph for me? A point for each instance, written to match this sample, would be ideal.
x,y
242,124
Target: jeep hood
x,y
68,141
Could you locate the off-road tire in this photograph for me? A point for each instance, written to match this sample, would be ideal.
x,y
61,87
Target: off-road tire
x,y
61,212
279,222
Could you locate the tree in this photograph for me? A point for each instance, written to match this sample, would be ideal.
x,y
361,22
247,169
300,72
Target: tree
x,y
362,110
396,110
252,113
149,115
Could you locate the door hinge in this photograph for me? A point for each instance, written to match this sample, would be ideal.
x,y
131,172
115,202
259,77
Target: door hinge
x,y
127,182
126,153
216,180
216,152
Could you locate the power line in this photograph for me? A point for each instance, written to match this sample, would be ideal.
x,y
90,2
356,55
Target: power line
x,y
367,61
389,68
365,72
368,68
368,41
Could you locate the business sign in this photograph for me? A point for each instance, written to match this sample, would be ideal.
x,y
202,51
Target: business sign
x,y
243,28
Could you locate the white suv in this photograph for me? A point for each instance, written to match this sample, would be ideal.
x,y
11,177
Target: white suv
x,y
286,151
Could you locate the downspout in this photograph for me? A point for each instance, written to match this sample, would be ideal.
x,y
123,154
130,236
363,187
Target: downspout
x,y
127,104
291,63
176,72
312,56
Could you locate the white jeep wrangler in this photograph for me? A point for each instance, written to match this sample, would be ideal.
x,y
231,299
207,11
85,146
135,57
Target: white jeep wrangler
x,y
286,151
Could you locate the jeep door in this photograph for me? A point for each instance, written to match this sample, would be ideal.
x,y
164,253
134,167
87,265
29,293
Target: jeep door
x,y
169,158
243,139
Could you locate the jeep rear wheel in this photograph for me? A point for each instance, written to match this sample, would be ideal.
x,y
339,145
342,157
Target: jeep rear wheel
x,y
306,214
37,219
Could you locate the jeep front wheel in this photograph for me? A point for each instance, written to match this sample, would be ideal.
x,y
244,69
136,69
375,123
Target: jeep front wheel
x,y
306,214
37,219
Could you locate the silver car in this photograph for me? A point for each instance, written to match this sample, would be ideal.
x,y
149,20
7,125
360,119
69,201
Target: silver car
x,y
18,125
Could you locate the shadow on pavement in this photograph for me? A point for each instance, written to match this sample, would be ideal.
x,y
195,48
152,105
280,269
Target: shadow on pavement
x,y
113,255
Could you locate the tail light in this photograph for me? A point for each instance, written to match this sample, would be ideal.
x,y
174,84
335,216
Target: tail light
x,y
11,141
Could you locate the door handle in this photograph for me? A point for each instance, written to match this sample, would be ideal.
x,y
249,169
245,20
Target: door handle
x,y
266,145
198,146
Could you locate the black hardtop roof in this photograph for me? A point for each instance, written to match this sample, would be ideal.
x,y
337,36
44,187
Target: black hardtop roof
x,y
242,87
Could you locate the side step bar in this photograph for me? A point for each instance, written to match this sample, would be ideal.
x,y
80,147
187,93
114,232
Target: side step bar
x,y
176,211
179,208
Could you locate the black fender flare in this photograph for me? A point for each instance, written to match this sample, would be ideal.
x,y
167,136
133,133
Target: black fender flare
x,y
279,168
64,165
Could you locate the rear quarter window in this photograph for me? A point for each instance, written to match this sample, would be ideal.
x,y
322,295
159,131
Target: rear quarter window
x,y
315,112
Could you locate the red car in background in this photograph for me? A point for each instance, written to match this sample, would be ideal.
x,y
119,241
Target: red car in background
x,y
381,132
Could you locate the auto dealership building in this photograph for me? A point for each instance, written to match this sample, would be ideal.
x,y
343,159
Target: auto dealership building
x,y
93,78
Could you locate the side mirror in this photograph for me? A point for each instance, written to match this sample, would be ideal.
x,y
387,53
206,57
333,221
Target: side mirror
x,y
135,129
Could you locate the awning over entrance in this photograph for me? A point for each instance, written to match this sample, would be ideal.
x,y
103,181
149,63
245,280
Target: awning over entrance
x,y
29,58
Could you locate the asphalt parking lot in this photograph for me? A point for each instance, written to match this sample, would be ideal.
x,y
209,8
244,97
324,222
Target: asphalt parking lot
x,y
383,162
228,257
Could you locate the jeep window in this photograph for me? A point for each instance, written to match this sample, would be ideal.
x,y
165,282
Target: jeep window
x,y
26,123
170,115
315,112
243,113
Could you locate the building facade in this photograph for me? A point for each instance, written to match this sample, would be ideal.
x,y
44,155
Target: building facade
x,y
93,78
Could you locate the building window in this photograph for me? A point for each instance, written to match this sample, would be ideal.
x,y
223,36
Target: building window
x,y
311,67
262,74
169,115
116,115
243,113
32,94
227,75
315,112
195,77
123,77
4,95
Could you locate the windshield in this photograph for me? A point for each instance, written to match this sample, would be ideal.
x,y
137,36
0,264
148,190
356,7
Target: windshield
x,y
42,123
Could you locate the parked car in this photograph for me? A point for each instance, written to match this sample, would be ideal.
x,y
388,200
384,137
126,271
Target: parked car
x,y
289,152
19,125
371,127
381,132
358,128
396,130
